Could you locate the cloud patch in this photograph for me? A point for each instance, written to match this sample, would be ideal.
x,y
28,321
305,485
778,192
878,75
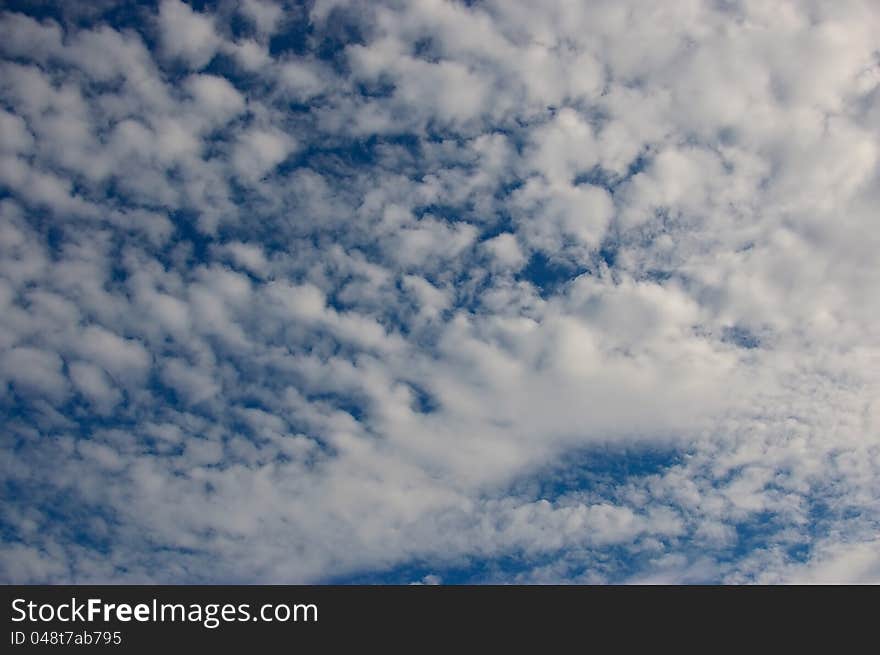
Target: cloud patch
x,y
442,291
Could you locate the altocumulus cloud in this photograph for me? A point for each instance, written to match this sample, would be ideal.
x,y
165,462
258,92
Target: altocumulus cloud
x,y
488,291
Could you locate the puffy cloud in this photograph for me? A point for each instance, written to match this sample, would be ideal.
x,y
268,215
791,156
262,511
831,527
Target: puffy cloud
x,y
266,15
586,287
215,97
31,371
505,250
94,383
258,151
187,35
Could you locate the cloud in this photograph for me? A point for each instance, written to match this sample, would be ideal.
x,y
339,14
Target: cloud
x,y
187,35
265,15
258,151
34,371
440,291
94,383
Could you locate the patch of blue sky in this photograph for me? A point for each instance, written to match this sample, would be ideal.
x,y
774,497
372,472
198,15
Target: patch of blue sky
x,y
741,336
615,564
596,470
549,275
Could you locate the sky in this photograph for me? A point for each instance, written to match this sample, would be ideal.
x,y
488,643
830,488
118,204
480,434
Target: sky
x,y
440,292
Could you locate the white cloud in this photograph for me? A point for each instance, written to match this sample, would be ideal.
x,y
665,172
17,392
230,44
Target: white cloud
x,y
347,356
248,256
34,371
265,15
92,382
187,35
505,250
215,97
258,151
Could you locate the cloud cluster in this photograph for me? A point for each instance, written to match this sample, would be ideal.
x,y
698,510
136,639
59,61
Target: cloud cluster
x,y
494,291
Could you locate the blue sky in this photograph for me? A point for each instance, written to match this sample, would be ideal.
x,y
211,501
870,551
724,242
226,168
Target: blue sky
x,y
435,291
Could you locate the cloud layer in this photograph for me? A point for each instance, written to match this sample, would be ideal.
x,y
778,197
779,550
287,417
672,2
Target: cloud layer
x,y
493,291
